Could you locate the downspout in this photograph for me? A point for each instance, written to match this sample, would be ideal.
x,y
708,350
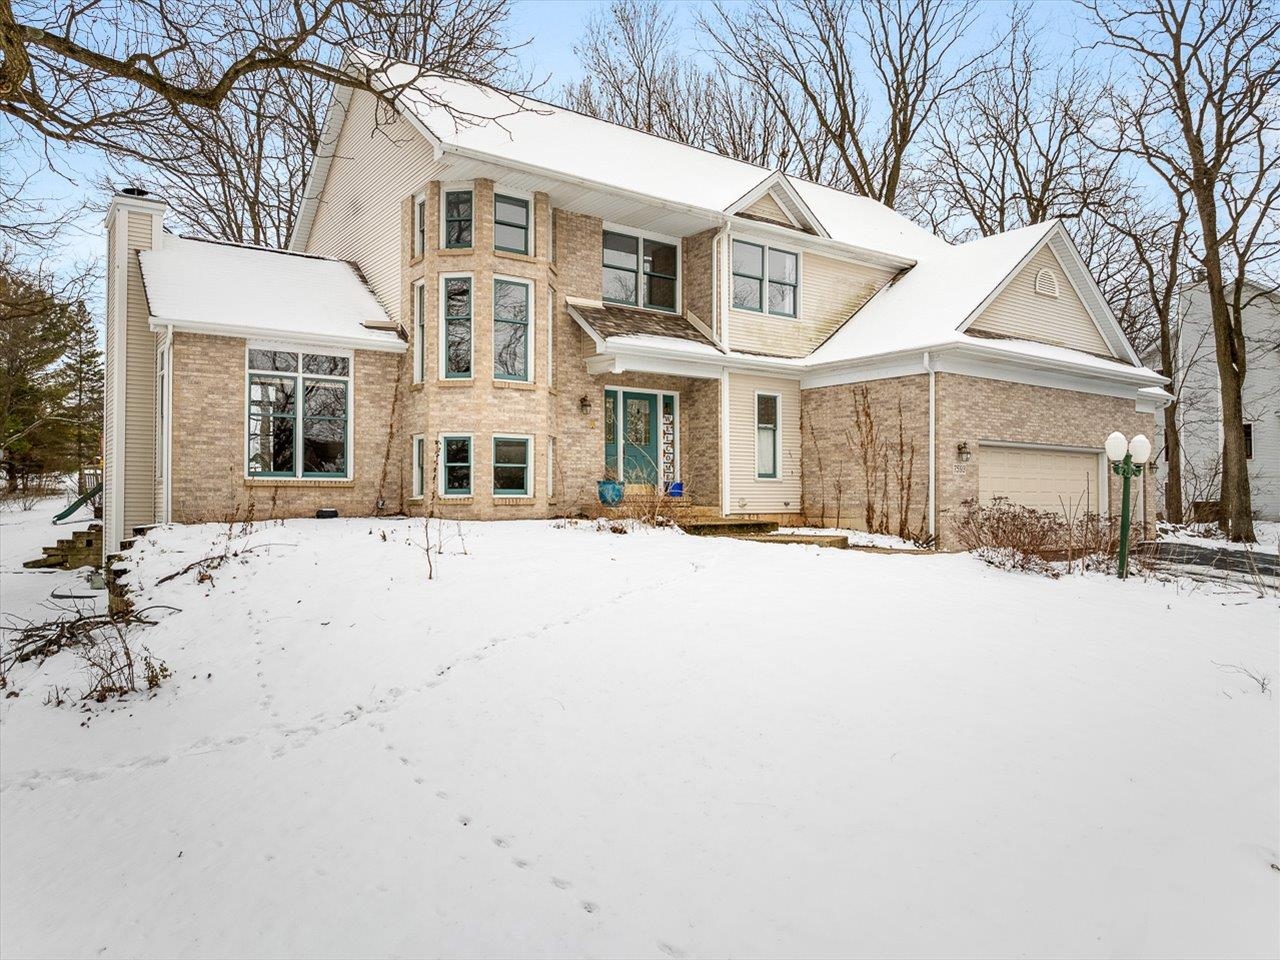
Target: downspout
x,y
928,365
167,401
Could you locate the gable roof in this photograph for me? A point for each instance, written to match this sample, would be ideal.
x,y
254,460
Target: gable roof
x,y
933,303
208,286
536,136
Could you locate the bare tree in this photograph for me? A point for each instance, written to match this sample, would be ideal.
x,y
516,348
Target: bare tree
x,y
809,58
99,72
1202,116
635,76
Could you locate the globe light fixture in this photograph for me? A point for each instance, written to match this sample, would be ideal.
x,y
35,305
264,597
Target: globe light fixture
x,y
1127,458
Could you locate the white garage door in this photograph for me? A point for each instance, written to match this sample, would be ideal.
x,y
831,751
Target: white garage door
x,y
1043,479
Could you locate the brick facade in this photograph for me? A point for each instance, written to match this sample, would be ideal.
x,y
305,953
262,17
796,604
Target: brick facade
x,y
209,444
969,410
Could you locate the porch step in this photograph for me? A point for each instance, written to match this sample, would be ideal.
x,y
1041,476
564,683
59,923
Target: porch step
x,y
726,526
82,548
813,539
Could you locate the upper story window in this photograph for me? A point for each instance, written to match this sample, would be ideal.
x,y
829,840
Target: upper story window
x,y
419,331
457,219
639,271
510,224
512,301
765,279
419,225
298,413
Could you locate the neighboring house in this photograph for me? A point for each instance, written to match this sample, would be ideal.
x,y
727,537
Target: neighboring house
x,y
495,315
1200,407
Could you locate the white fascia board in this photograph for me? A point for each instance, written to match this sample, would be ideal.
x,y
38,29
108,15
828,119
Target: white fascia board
x,y
1037,373
586,327
649,358
380,344
906,364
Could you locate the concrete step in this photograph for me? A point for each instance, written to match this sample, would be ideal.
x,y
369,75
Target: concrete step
x,y
813,539
726,526
47,562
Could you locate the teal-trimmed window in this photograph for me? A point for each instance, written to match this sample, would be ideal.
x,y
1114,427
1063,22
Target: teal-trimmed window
x,y
511,305
511,467
784,282
510,224
419,332
767,436
457,219
419,466
298,414
628,276
457,328
419,225
748,276
765,279
456,453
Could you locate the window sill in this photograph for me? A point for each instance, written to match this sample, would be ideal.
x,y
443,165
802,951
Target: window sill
x,y
455,251
513,255
515,385
416,258
455,381
296,482
512,500
456,498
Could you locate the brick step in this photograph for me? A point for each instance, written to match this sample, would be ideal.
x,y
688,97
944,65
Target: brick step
x,y
47,562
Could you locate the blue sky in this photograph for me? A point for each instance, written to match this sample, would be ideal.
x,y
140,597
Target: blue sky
x,y
551,28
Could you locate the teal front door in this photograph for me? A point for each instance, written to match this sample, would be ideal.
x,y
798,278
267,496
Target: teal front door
x,y
640,438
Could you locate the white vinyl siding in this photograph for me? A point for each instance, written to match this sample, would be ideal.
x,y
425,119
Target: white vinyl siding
x,y
359,218
749,493
768,208
140,386
1020,312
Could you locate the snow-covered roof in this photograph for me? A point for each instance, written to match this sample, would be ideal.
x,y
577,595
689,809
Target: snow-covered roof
x,y
538,135
232,289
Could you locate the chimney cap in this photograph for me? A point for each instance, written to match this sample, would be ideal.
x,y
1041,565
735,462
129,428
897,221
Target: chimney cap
x,y
135,192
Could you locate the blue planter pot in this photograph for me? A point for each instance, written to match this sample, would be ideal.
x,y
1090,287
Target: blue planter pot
x,y
610,492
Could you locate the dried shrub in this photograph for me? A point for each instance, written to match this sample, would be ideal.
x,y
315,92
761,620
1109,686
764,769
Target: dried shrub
x,y
1003,525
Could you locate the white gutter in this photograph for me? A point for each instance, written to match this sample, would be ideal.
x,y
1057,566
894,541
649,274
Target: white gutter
x,y
933,471
385,345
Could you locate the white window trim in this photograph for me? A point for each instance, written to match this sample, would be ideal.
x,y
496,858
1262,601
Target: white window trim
x,y
531,476
418,245
443,373
457,186
351,399
440,465
551,465
551,337
777,435
764,310
1050,287
641,236
418,310
530,354
417,448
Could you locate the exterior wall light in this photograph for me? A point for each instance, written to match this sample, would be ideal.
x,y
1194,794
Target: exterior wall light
x,y
963,453
584,403
1127,459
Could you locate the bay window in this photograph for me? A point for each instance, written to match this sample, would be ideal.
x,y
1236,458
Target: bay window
x,y
456,328
457,219
298,413
510,224
456,454
511,306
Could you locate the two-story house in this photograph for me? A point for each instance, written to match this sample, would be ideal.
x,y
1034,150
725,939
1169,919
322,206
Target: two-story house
x,y
494,314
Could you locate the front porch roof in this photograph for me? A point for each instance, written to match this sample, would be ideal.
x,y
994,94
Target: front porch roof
x,y
603,321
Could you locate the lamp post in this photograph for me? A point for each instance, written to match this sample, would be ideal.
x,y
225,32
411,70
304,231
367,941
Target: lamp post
x,y
1127,459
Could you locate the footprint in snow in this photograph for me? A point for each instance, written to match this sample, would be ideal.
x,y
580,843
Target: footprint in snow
x,y
442,795
464,820
520,864
560,884
670,950
590,907
501,842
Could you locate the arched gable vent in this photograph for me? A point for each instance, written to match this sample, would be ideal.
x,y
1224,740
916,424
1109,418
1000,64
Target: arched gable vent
x,y
1046,283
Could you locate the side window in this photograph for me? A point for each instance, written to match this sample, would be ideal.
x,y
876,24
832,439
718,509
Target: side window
x,y
419,225
748,276
457,219
510,224
766,436
511,467
298,412
456,336
456,453
511,304
784,277
419,331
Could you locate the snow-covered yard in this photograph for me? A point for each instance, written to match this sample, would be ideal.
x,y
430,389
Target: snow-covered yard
x,y
578,743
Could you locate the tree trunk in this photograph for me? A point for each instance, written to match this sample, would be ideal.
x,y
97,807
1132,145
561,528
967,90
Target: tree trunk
x,y
1173,507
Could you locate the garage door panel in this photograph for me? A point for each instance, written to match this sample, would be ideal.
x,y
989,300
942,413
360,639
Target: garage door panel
x,y
1042,479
